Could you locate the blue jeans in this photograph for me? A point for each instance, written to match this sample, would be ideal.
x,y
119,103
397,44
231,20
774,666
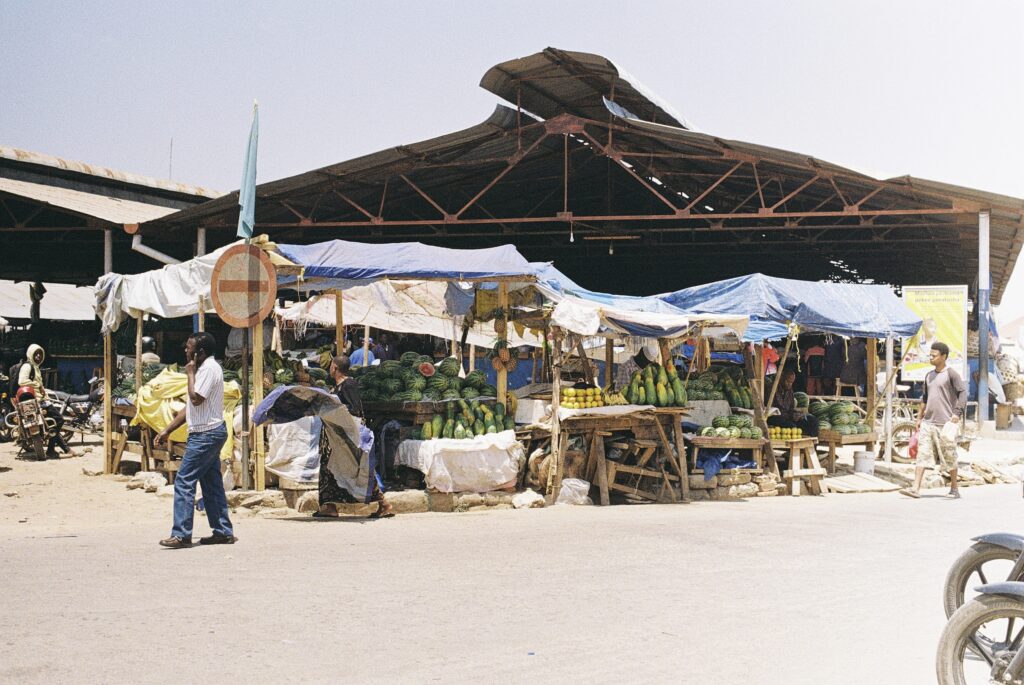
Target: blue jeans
x,y
201,464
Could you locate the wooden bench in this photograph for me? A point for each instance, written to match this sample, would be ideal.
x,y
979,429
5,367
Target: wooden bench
x,y
803,464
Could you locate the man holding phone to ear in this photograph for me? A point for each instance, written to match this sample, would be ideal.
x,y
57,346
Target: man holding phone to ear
x,y
204,412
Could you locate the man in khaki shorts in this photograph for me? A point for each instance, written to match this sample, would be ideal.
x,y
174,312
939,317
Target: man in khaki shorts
x,y
944,400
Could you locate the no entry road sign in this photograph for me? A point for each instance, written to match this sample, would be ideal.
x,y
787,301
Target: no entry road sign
x,y
244,286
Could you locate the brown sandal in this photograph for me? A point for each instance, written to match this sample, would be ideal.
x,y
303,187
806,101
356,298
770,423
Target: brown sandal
x,y
384,511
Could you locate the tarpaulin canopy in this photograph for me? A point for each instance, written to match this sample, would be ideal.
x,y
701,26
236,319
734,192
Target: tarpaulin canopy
x,y
587,312
848,309
422,307
341,263
169,292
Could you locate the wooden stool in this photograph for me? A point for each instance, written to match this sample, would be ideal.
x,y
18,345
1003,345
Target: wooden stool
x,y
840,385
803,463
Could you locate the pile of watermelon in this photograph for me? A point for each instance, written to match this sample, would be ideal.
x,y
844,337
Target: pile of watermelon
x,y
415,378
732,426
840,417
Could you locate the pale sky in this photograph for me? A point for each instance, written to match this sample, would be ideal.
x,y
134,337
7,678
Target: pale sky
x,y
932,88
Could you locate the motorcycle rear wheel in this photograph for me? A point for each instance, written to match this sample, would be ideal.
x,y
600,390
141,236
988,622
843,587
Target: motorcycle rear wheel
x,y
968,565
38,448
955,644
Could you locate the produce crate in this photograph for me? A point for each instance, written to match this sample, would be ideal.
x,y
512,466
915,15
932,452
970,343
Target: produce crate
x,y
839,439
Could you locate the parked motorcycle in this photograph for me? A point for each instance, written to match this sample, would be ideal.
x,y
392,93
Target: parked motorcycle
x,y
981,643
82,413
31,427
6,433
992,558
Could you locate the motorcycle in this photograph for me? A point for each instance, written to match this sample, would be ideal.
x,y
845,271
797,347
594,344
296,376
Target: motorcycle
x,y
82,413
30,425
6,434
974,646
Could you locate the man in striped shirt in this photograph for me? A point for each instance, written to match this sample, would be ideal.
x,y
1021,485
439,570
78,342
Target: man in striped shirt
x,y
204,412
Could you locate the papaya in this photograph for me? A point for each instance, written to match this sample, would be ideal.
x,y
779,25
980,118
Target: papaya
x,y
670,396
449,429
449,409
679,392
662,376
436,426
510,423
650,391
427,431
633,394
641,396
661,395
491,428
499,409
460,431
672,373
479,428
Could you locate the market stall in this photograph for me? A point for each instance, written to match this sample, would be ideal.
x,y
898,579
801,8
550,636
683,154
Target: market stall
x,y
783,308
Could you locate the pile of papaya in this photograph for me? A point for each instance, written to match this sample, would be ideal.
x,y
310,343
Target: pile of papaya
x,y
656,385
463,420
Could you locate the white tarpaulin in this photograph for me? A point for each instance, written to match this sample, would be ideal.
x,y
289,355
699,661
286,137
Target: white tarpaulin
x,y
484,463
170,292
421,307
293,449
589,317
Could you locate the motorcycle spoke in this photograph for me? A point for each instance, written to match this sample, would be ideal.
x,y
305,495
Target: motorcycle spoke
x,y
981,650
981,574
1009,629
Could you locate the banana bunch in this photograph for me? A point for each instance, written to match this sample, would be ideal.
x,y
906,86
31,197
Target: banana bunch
x,y
511,402
612,398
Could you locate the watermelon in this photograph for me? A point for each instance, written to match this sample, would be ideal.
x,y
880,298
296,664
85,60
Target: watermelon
x,y
449,366
409,359
426,369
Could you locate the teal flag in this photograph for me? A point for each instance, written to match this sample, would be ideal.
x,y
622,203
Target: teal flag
x,y
247,190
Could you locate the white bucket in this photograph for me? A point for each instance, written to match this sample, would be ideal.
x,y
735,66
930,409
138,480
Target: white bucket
x,y
864,462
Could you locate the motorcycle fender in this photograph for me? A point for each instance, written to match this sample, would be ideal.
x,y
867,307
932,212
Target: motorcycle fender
x,y
1010,541
1006,589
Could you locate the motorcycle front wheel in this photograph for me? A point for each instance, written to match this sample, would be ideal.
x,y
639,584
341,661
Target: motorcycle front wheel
x,y
38,448
979,640
981,563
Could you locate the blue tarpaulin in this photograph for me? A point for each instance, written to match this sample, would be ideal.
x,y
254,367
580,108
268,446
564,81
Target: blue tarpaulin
x,y
590,313
342,263
848,309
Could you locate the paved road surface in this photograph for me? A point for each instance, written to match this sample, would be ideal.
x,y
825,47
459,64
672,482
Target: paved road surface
x,y
840,589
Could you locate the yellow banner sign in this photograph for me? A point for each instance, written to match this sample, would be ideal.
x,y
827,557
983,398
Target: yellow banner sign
x,y
943,310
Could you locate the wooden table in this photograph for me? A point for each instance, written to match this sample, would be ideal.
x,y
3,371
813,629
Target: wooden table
x,y
755,445
834,440
803,463
651,429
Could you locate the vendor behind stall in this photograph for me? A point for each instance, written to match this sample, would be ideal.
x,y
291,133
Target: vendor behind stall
x,y
788,416
647,355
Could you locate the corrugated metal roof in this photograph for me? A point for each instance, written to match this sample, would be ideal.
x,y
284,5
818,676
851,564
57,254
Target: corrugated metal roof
x,y
555,81
41,159
110,209
60,302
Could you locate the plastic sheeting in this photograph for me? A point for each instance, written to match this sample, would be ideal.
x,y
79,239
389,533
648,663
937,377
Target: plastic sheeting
x,y
293,449
345,261
161,399
351,443
484,463
422,307
848,309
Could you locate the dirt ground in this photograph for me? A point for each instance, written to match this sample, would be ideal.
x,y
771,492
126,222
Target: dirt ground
x,y
836,589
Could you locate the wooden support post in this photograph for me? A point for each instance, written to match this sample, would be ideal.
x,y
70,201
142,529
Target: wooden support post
x,y
677,437
472,357
872,391
366,345
666,356
753,363
609,362
201,315
555,472
138,354
503,373
602,468
108,402
257,391
588,368
778,374
339,323
244,437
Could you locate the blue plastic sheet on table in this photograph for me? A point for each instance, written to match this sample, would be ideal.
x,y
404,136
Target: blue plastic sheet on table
x,y
713,461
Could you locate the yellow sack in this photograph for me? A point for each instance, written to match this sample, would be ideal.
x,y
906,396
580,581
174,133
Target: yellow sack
x,y
161,399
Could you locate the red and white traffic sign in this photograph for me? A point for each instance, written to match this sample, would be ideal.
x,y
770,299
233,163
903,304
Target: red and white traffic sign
x,y
244,286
